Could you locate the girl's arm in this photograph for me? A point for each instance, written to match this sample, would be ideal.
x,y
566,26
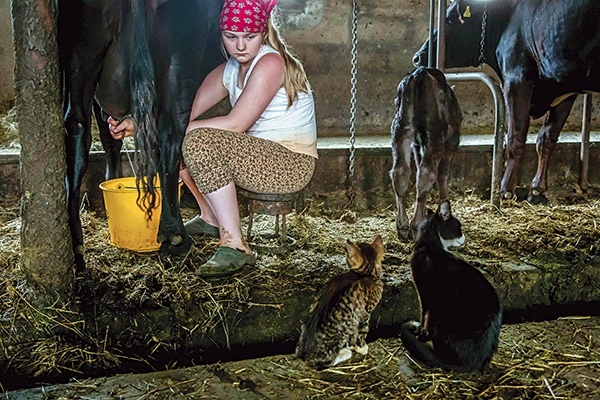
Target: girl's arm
x,y
209,93
266,79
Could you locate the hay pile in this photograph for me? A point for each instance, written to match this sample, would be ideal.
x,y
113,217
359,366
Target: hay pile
x,y
543,235
9,134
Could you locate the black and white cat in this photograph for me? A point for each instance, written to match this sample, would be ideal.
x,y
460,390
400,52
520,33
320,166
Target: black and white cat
x,y
339,317
460,310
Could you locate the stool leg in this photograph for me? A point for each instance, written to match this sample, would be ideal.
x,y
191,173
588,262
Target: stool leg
x,y
249,233
277,224
283,231
299,202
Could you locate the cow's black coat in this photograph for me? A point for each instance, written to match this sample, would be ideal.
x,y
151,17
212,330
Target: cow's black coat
x,y
144,58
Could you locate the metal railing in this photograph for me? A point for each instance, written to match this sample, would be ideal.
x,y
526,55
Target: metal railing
x,y
492,83
499,106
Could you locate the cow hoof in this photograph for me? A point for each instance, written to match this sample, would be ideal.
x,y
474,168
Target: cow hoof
x,y
176,240
405,232
181,249
536,199
507,195
79,263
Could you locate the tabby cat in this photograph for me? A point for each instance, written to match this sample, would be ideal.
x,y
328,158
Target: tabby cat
x,y
460,311
339,318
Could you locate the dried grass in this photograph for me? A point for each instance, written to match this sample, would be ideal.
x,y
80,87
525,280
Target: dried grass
x,y
541,235
9,134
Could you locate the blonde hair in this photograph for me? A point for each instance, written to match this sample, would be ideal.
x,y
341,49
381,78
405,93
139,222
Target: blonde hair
x,y
295,77
295,80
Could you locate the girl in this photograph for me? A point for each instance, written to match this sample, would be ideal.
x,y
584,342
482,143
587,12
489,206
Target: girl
x,y
267,141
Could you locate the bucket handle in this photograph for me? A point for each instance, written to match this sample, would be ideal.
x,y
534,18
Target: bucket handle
x,y
129,158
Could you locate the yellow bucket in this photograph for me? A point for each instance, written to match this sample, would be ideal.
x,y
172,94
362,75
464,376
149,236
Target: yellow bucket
x,y
127,222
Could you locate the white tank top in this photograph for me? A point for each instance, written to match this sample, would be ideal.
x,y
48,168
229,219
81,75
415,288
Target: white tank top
x,y
293,127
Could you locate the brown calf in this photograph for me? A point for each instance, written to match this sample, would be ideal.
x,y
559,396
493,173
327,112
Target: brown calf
x,y
427,123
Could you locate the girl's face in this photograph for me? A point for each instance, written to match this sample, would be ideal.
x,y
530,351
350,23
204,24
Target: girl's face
x,y
242,46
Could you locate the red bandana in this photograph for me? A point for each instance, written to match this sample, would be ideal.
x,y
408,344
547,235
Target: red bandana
x,y
246,15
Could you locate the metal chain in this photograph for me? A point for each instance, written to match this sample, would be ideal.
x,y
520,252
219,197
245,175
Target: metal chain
x,y
351,158
482,40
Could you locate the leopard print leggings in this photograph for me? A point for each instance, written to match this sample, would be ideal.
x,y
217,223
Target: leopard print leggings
x,y
216,157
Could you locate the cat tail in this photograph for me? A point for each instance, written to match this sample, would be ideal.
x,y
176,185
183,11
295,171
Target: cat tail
x,y
307,351
419,350
327,299
300,348
422,351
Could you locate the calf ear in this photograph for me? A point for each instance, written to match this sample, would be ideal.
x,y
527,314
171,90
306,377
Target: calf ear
x,y
444,210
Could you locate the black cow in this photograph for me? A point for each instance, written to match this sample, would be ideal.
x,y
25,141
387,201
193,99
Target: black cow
x,y
426,124
140,58
545,52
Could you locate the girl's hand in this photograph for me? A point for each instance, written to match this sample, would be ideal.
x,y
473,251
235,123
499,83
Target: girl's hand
x,y
120,129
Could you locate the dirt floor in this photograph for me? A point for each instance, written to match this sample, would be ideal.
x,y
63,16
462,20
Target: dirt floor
x,y
553,359
557,359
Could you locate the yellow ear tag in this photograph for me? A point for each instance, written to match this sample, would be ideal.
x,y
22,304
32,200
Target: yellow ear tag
x,y
467,13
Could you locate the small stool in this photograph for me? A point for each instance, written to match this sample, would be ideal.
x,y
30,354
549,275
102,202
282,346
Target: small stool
x,y
279,204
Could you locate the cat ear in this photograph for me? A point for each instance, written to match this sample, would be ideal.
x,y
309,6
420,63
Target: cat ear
x,y
351,248
444,210
378,242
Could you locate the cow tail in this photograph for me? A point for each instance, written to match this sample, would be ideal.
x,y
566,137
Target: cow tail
x,y
144,111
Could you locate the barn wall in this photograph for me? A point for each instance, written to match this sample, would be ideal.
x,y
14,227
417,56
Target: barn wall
x,y
6,54
389,32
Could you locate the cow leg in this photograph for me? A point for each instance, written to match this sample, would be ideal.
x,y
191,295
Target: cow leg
x,y
427,168
77,142
179,67
400,176
545,144
443,171
443,174
518,101
112,147
172,235
80,81
83,40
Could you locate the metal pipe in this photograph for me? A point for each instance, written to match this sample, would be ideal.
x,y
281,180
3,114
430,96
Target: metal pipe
x,y
584,155
499,125
441,30
491,83
430,62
